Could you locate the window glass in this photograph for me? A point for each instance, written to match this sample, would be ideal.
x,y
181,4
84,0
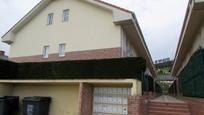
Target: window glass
x,y
45,51
50,18
62,50
65,15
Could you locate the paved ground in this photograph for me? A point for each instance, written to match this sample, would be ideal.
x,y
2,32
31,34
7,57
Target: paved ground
x,y
167,99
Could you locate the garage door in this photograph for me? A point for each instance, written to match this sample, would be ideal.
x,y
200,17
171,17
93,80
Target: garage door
x,y
110,101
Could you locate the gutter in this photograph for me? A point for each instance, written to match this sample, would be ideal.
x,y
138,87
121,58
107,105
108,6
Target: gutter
x,y
193,7
153,70
187,16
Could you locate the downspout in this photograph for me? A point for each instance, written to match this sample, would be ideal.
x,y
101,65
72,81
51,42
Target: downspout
x,y
142,75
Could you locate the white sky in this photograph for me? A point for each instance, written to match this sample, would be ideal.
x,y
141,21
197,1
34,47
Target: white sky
x,y
160,21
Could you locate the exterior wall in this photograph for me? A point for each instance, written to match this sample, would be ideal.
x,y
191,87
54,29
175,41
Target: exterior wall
x,y
5,89
127,47
89,28
199,42
64,97
80,55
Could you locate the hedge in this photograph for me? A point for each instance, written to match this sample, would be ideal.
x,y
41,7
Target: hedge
x,y
8,69
82,69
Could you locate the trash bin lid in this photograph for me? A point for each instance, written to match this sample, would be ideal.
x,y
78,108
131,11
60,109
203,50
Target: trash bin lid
x,y
12,97
37,98
3,99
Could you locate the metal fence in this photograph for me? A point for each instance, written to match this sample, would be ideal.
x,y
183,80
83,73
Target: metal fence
x,y
148,85
191,79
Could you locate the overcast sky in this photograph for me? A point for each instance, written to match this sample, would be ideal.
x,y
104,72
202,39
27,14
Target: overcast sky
x,y
160,21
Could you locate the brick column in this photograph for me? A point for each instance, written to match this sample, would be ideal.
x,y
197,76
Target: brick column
x,y
136,105
86,99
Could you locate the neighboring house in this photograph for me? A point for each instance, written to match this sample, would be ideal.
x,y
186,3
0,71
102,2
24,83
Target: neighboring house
x,y
189,61
163,68
3,56
58,30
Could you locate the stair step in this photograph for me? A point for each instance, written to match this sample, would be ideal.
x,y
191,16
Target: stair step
x,y
167,113
153,102
168,104
173,109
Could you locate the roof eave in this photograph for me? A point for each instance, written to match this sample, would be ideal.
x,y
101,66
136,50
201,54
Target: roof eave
x,y
145,48
6,38
193,19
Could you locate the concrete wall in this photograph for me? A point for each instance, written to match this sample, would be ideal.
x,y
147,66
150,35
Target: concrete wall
x,y
89,27
5,89
198,42
65,98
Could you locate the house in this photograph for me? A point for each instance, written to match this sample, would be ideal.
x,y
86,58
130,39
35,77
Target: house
x,y
188,65
61,30
3,56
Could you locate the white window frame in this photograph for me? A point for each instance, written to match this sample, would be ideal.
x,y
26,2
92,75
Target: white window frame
x,y
65,15
45,51
62,48
50,18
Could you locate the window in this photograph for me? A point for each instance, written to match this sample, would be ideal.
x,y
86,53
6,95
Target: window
x,y
61,50
50,18
65,17
45,51
110,100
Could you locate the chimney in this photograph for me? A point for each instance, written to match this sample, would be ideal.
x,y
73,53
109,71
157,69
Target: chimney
x,y
2,53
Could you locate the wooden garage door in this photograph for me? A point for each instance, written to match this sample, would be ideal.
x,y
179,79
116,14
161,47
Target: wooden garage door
x,y
110,101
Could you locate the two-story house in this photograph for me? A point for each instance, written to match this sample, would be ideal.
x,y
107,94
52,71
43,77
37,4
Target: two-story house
x,y
57,30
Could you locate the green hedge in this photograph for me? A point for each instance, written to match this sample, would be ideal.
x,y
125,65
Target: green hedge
x,y
8,69
85,69
192,76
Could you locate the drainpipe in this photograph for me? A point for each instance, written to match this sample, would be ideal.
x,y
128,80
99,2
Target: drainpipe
x,y
142,82
154,85
177,88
